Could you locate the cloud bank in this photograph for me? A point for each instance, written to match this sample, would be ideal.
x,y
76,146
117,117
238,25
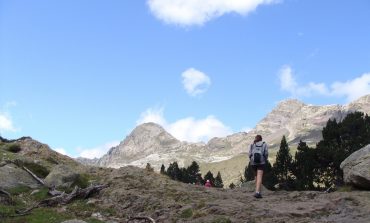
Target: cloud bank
x,y
6,122
187,129
350,89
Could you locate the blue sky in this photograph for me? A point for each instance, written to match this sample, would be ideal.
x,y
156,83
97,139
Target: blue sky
x,y
80,75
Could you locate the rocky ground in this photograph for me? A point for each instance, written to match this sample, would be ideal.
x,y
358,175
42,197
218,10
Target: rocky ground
x,y
136,192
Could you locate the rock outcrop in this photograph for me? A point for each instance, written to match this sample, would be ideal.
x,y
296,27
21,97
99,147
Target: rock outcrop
x,y
356,168
61,176
12,176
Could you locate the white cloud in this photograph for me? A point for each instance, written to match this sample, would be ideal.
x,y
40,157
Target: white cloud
x,y
6,123
198,12
152,115
98,151
351,89
288,83
195,82
192,130
187,129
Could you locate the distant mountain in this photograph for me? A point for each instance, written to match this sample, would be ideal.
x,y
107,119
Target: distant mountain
x,y
150,143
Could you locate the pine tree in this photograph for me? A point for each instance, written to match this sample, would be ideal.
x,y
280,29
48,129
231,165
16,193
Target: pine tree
x,y
218,181
339,141
174,171
209,176
269,179
163,169
232,186
193,172
184,175
283,165
304,167
249,173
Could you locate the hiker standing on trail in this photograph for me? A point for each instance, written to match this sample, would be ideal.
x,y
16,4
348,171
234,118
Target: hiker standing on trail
x,y
208,184
258,154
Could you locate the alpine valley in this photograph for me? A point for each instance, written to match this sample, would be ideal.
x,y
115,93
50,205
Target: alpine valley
x,y
150,143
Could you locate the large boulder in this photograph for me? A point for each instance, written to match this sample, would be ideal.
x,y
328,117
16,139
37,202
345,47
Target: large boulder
x,y
62,176
12,176
356,168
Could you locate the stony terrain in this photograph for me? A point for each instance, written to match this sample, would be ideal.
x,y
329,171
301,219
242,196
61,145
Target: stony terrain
x,y
135,192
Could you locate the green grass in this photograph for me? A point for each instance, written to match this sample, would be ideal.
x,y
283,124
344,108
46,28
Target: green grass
x,y
345,188
76,210
187,213
6,210
221,220
19,190
80,208
5,154
40,215
93,220
42,194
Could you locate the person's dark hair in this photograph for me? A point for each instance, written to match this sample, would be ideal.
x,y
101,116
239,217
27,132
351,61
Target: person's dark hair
x,y
258,138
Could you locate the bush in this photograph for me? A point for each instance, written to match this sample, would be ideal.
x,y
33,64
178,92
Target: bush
x,y
14,148
37,169
187,213
82,181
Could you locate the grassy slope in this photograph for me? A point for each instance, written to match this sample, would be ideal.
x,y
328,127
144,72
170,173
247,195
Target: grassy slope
x,y
22,198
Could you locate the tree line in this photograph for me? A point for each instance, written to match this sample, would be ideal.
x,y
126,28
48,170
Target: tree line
x,y
191,174
311,168
317,168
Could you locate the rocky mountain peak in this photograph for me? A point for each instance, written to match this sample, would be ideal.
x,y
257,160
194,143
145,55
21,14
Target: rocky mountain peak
x,y
362,100
150,131
145,140
362,104
150,128
290,103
